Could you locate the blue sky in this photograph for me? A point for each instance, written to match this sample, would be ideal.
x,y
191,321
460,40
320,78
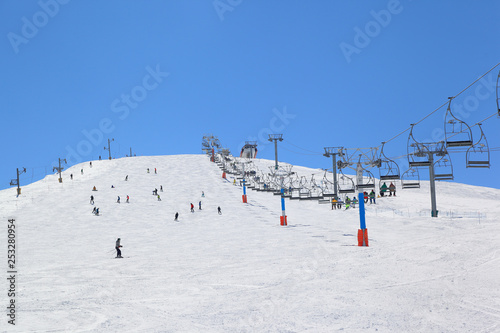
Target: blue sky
x,y
157,75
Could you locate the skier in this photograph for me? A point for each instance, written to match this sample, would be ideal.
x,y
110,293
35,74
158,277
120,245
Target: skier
x,y
219,211
128,198
117,247
159,198
97,212
372,197
192,208
112,186
365,196
71,176
202,194
91,199
155,191
91,164
199,205
94,211
176,216
383,189
148,170
126,177
334,203
118,201
392,189
354,202
155,171
81,171
161,188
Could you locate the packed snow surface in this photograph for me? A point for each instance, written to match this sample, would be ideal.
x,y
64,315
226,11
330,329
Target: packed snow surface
x,y
241,271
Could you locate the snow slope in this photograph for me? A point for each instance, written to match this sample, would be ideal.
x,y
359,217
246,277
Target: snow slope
x,y
242,271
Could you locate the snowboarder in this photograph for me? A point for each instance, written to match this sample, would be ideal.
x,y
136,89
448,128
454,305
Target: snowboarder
x,y
91,199
202,194
117,247
155,191
128,198
192,208
176,216
372,197
94,188
126,177
118,201
219,211
199,205
159,198
334,203
347,202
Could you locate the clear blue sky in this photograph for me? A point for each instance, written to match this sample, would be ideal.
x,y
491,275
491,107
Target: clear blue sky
x,y
157,75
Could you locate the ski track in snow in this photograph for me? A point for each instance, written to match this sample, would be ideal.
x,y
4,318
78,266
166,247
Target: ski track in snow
x,y
241,271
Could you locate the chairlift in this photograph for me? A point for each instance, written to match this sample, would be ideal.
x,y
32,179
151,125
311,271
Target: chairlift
x,y
443,168
410,178
345,184
418,153
478,156
457,132
328,186
388,169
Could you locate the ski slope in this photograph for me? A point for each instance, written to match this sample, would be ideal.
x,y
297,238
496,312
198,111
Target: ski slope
x,y
241,271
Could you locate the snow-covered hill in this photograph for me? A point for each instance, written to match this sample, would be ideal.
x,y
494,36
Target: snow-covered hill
x,y
241,271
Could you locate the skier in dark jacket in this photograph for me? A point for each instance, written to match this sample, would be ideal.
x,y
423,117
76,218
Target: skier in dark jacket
x,y
199,205
91,199
176,216
117,247
219,211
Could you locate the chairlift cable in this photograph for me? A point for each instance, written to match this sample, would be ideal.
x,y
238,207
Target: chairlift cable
x,y
445,103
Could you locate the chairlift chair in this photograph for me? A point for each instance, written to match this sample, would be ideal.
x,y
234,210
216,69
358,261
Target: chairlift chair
x,y
388,169
418,154
410,178
443,168
345,184
478,156
457,132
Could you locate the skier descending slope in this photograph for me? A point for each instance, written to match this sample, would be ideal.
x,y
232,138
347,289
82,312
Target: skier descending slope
x,y
219,211
176,216
117,247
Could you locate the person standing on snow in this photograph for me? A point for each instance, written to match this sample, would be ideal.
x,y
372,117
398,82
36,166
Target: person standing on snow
x,y
117,248
199,205
128,198
176,216
192,208
91,199
219,211
159,198
372,197
118,201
